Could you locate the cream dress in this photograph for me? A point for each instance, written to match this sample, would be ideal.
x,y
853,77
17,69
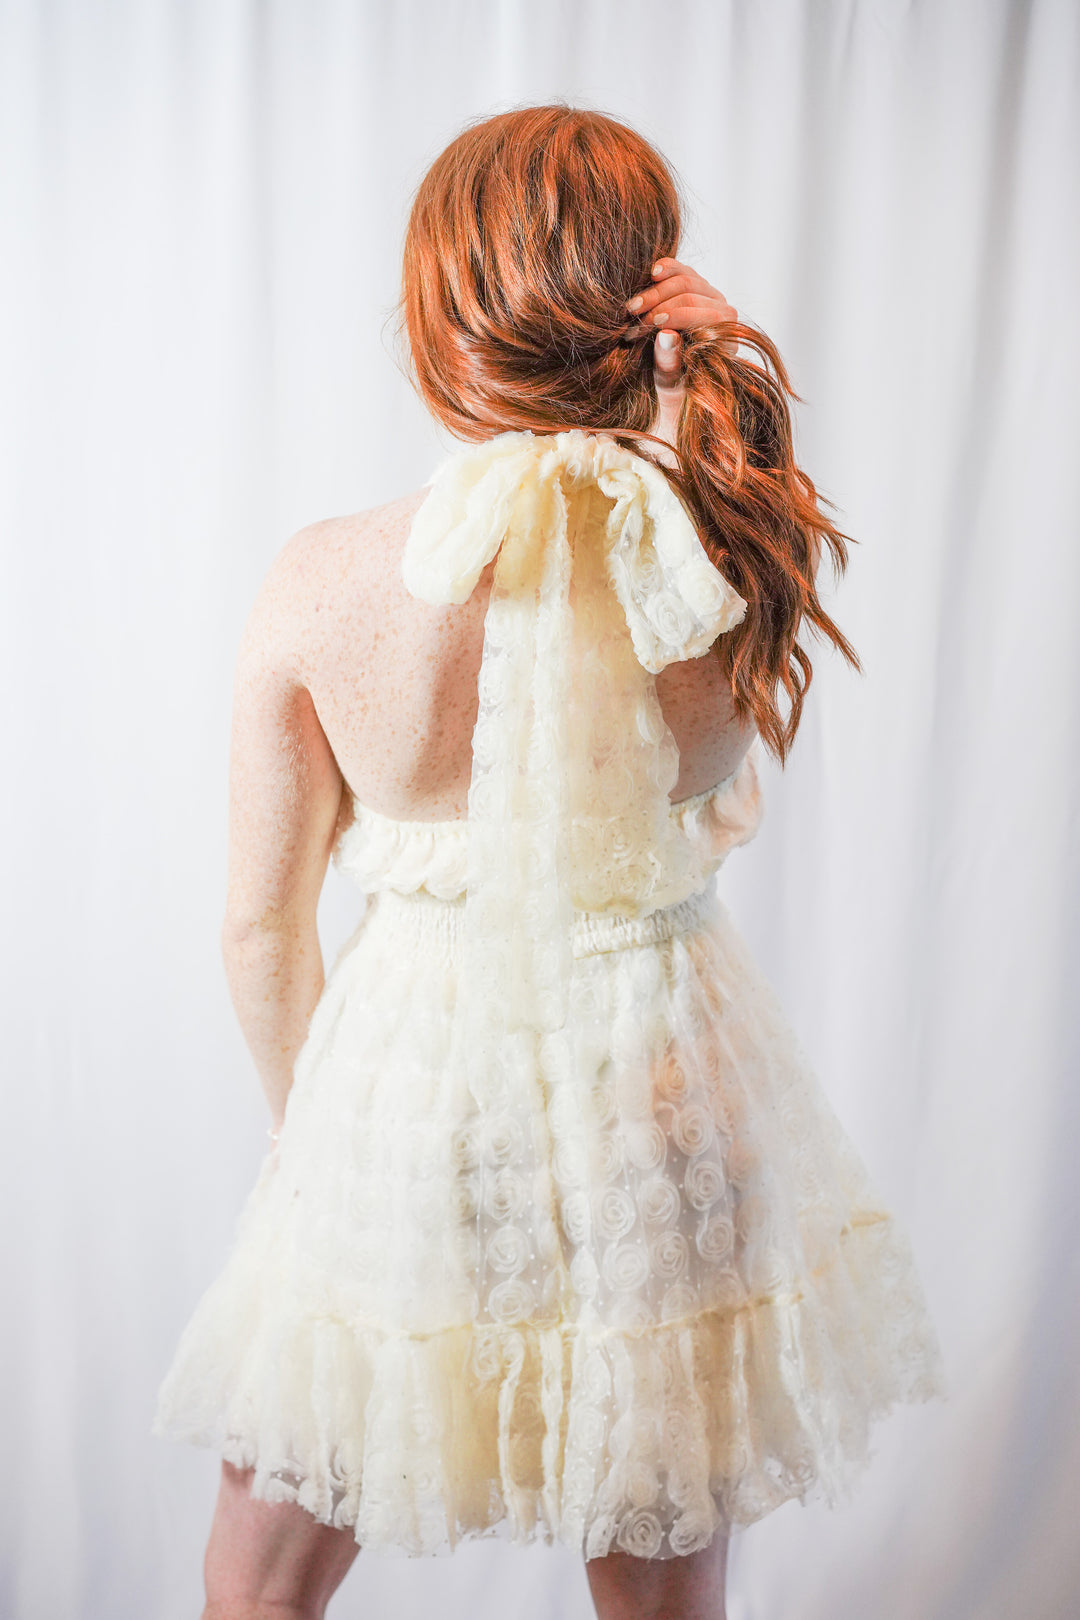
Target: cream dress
x,y
562,1238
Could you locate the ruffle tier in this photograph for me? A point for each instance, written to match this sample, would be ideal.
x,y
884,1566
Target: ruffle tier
x,y
382,852
645,1440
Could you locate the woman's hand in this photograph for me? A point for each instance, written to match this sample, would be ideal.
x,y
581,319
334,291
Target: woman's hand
x,y
677,299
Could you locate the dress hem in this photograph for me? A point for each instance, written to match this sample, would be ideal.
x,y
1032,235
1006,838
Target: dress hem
x,y
486,1429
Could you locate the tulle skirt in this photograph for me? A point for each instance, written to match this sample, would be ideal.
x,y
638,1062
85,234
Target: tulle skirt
x,y
740,1306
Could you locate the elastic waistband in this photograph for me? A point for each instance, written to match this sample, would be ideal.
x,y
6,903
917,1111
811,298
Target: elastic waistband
x,y
598,931
595,932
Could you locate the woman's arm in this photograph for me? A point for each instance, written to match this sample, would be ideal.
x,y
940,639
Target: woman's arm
x,y
284,795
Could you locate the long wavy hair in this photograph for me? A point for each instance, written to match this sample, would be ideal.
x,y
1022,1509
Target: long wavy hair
x,y
525,239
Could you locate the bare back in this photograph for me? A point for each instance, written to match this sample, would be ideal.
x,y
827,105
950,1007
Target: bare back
x,y
393,680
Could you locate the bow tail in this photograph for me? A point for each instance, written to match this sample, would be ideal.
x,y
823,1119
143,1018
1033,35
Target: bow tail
x,y
513,990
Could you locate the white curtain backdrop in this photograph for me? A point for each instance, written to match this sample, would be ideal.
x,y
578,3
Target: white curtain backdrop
x,y
201,212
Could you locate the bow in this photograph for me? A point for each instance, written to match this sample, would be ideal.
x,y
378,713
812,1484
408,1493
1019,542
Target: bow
x,y
544,773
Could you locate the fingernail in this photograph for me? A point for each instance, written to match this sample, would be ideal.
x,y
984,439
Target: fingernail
x,y
657,269
635,303
666,340
660,320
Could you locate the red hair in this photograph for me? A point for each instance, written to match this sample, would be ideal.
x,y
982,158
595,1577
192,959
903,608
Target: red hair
x,y
525,239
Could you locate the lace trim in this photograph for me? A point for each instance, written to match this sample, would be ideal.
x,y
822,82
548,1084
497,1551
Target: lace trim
x,y
629,1438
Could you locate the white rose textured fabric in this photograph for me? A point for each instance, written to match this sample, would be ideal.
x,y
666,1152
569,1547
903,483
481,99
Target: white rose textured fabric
x,y
562,1238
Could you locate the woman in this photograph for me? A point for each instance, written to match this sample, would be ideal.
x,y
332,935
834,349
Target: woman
x,y
559,1236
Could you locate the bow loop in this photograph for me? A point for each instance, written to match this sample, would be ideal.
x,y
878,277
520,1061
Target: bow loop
x,y
675,599
467,514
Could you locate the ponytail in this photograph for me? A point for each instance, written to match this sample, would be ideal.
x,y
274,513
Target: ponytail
x,y
759,518
525,239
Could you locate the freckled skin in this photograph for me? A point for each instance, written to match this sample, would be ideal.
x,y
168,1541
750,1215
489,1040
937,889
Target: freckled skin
x,y
346,682
393,680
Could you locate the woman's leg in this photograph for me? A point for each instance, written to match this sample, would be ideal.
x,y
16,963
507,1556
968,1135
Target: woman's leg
x,y
270,1560
691,1588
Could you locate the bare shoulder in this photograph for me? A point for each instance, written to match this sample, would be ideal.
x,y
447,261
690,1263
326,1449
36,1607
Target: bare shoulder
x,y
311,580
322,550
